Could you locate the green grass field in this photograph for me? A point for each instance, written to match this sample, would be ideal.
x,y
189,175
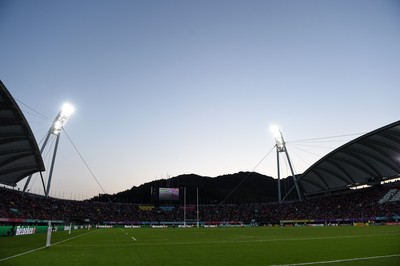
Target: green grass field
x,y
379,245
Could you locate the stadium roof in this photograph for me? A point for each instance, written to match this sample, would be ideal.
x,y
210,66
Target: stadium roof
x,y
19,153
371,158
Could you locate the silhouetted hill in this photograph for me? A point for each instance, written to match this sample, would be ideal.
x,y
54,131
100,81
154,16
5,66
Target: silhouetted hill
x,y
242,187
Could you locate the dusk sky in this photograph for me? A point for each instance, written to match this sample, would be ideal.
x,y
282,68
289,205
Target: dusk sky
x,y
163,88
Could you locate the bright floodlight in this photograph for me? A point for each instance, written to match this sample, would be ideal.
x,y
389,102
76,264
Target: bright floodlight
x,y
67,110
278,136
62,118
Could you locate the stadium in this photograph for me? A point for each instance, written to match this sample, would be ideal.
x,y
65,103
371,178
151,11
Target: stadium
x,y
325,220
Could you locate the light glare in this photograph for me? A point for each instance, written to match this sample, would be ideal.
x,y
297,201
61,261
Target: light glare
x,y
62,118
275,131
278,136
67,110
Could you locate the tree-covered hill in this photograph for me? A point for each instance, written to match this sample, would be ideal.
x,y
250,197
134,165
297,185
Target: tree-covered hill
x,y
242,187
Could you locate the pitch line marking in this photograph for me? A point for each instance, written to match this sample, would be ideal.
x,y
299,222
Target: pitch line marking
x,y
126,233
36,249
336,261
230,241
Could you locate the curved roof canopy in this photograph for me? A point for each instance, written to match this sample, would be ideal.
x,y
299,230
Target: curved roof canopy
x,y
19,153
368,159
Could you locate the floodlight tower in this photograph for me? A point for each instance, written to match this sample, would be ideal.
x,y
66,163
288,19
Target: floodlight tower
x,y
55,130
281,147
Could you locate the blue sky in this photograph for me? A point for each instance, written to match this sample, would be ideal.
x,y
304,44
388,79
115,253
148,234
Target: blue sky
x,y
173,87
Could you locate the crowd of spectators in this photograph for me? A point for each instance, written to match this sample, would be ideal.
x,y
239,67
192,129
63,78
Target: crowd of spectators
x,y
359,204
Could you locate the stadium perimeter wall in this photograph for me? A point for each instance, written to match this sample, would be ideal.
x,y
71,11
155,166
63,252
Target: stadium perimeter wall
x,y
19,230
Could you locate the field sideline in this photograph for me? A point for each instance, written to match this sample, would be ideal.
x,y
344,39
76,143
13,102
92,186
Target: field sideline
x,y
374,245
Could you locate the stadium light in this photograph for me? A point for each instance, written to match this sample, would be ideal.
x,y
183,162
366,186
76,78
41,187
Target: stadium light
x,y
278,137
62,118
55,129
281,148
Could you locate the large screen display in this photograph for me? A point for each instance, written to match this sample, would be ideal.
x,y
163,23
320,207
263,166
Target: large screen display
x,y
168,193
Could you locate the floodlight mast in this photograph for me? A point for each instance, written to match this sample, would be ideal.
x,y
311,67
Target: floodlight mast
x,y
281,147
54,130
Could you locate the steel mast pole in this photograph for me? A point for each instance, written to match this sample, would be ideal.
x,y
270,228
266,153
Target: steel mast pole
x,y
41,152
281,147
294,177
279,176
52,165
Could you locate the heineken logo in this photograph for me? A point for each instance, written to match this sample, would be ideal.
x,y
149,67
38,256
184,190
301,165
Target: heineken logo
x,y
25,230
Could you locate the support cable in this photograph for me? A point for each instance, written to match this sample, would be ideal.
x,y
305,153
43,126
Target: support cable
x,y
87,166
248,174
36,112
331,137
